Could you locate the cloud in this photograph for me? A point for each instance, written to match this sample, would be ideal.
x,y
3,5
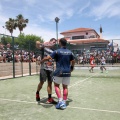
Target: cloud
x,y
30,2
69,13
60,14
108,36
41,14
0,7
34,29
44,11
48,10
41,18
106,9
115,38
3,19
84,7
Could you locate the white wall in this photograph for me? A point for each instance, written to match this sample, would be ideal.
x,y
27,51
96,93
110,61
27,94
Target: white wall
x,y
90,33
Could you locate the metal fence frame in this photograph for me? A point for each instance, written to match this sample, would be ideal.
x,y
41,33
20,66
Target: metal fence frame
x,y
13,61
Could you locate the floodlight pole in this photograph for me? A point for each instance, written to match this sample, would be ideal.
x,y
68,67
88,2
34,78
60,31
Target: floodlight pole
x,y
57,20
112,46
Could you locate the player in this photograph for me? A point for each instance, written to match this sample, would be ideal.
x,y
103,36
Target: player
x,y
46,69
92,63
103,63
64,66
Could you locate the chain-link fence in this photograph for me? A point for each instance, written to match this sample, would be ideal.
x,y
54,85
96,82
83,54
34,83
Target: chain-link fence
x,y
17,59
20,58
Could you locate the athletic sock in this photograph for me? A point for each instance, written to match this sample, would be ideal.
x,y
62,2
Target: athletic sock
x,y
37,92
60,99
49,95
64,101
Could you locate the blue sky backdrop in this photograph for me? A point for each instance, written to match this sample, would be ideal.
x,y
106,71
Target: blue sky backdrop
x,y
72,13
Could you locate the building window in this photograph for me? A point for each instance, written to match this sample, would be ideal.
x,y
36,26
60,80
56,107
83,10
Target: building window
x,y
86,33
77,37
92,36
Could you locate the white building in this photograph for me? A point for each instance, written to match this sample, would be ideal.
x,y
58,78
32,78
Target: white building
x,y
85,38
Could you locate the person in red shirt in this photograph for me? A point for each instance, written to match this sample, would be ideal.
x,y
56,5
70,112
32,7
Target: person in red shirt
x,y
92,63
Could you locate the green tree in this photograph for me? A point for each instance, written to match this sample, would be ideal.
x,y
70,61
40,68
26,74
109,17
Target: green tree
x,y
6,40
10,25
23,41
26,40
21,22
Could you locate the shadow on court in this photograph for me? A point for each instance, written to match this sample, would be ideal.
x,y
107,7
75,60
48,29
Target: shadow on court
x,y
43,102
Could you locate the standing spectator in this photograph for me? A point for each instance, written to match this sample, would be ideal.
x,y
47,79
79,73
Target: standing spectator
x,y
78,59
1,57
81,59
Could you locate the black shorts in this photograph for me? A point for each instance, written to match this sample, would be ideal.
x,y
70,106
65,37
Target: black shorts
x,y
46,75
102,64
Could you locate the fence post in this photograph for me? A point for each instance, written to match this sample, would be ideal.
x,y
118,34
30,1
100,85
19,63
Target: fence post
x,y
29,60
21,63
13,57
112,46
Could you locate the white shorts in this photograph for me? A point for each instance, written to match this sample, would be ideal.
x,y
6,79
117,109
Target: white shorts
x,y
61,80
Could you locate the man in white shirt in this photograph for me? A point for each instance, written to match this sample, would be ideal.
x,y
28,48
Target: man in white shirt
x,y
103,63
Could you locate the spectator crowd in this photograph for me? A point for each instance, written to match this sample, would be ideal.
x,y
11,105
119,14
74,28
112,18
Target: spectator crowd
x,y
111,57
83,58
19,56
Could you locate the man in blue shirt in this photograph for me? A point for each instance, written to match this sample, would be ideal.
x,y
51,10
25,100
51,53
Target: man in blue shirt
x,y
64,66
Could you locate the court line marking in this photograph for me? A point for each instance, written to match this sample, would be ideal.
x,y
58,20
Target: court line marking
x,y
76,83
21,101
80,108
98,110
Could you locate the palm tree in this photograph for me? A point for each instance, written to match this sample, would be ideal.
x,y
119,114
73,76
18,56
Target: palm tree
x,y
21,22
10,25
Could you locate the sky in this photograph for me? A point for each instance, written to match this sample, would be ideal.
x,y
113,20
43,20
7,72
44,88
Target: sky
x,y
72,13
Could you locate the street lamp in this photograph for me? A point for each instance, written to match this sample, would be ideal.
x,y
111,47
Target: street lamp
x,y
57,20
